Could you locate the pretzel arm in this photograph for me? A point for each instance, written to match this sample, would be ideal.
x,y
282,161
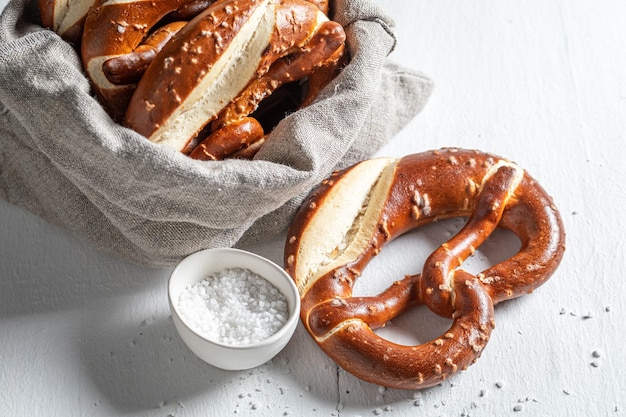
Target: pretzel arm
x,y
323,75
375,311
188,11
316,53
228,140
128,68
250,151
321,4
440,266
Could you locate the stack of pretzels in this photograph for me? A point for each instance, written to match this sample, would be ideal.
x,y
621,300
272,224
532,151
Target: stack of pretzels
x,y
209,78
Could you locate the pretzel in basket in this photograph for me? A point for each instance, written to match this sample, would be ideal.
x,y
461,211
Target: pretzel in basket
x,y
121,38
217,70
350,217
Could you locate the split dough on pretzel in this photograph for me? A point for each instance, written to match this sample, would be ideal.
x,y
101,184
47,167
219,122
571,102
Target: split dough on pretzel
x,y
65,17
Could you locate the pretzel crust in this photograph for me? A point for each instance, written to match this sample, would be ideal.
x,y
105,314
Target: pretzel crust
x,y
113,29
349,218
65,17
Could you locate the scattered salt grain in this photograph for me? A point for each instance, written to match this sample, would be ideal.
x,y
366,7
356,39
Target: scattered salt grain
x,y
234,307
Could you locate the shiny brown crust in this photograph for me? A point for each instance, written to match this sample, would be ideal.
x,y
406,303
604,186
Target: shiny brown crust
x,y
71,34
323,75
46,11
128,68
250,151
227,141
188,11
115,29
322,5
416,190
183,62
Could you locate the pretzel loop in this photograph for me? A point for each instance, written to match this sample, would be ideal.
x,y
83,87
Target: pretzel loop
x,y
440,267
346,327
350,217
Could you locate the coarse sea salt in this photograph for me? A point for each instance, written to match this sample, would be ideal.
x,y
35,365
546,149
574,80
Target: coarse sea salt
x,y
234,307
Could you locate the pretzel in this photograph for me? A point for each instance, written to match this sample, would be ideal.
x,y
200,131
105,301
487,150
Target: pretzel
x,y
112,32
351,216
65,17
226,61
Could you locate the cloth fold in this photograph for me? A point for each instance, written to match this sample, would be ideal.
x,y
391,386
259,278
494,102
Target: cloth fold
x,y
64,159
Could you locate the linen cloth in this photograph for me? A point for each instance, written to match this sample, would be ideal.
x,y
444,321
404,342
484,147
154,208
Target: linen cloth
x,y
64,159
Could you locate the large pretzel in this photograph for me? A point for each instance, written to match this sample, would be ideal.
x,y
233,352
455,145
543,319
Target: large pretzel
x,y
349,218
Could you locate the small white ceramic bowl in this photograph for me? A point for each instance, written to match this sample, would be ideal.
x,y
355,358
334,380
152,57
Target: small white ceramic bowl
x,y
198,266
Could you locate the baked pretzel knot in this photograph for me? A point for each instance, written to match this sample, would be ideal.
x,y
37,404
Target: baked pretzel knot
x,y
349,218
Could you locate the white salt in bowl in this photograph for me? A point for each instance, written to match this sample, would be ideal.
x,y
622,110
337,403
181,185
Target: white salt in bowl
x,y
227,352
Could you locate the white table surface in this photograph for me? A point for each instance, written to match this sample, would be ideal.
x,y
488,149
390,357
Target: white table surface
x,y
542,83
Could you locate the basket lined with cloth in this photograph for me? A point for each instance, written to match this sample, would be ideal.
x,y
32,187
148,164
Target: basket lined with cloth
x,y
63,158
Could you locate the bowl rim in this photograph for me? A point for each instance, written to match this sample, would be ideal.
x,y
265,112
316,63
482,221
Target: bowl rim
x,y
274,338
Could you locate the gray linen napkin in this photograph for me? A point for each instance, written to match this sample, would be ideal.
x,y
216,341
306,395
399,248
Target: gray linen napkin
x,y
64,159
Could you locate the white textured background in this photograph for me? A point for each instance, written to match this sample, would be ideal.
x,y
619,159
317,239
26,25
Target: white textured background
x,y
542,83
